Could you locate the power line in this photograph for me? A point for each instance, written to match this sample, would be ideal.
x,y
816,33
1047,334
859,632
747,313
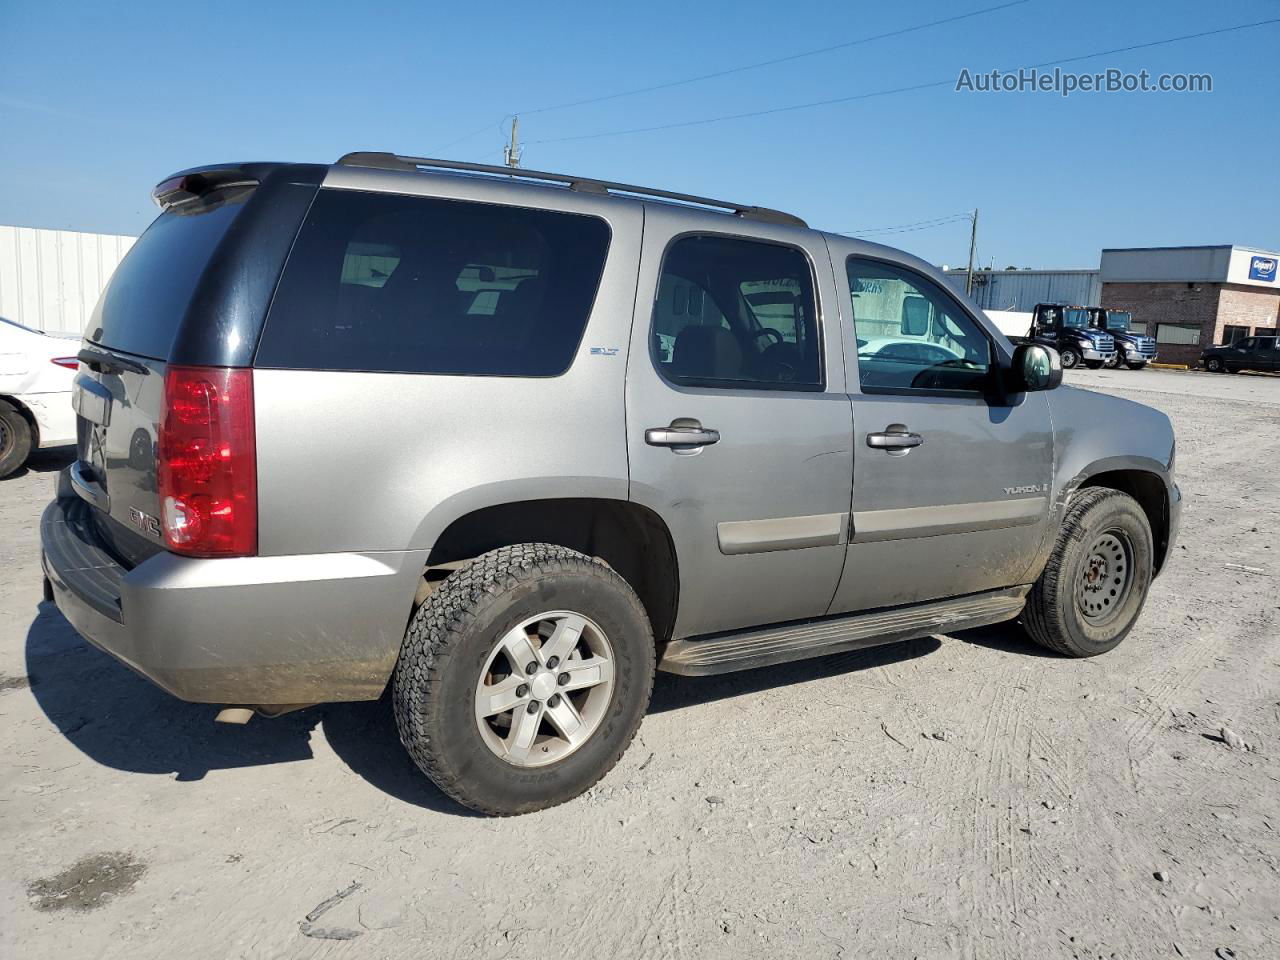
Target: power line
x,y
895,90
909,227
468,136
776,60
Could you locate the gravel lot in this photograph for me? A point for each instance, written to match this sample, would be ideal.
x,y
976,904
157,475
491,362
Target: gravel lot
x,y
962,796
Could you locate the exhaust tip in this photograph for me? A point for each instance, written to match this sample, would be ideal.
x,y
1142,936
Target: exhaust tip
x,y
240,715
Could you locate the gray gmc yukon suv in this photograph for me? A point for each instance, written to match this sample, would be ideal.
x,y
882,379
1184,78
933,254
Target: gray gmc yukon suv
x,y
510,441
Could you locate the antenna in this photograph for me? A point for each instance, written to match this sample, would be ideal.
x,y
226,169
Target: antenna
x,y
511,152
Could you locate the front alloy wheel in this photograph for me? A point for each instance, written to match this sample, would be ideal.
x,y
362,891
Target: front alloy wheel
x,y
1213,365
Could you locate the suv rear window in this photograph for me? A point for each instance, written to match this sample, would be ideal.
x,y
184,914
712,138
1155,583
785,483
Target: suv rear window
x,y
151,288
384,282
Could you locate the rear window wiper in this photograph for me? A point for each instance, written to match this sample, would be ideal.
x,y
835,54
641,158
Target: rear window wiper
x,y
106,363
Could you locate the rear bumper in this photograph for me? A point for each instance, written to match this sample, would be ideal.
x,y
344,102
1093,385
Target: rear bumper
x,y
253,630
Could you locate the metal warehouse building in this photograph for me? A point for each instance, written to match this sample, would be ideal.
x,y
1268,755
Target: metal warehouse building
x,y
1022,289
1193,297
51,279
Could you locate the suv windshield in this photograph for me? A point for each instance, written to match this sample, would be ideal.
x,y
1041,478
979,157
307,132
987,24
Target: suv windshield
x,y
1118,320
150,290
1076,318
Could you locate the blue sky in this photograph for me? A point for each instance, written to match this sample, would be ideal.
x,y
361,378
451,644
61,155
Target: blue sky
x,y
100,101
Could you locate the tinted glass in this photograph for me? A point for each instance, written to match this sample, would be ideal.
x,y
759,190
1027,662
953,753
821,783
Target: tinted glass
x,y
736,313
910,334
151,288
1075,318
419,285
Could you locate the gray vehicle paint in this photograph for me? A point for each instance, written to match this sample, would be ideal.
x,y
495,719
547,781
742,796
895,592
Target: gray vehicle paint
x,y
789,516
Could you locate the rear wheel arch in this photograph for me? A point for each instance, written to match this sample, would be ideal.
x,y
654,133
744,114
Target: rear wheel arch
x,y
630,538
1149,490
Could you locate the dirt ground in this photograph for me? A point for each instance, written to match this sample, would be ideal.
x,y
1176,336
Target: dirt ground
x,y
962,796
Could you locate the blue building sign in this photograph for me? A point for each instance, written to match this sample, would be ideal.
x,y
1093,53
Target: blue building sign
x,y
1263,268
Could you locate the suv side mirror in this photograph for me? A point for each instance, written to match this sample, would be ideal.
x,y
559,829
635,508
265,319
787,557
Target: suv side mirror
x,y
1036,367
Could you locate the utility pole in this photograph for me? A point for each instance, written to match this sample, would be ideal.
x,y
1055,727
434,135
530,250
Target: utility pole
x,y
973,245
511,152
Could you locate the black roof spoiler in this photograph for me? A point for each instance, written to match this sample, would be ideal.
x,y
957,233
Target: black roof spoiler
x,y
187,185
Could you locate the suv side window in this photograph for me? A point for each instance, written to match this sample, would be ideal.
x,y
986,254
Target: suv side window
x,y
393,283
736,313
911,335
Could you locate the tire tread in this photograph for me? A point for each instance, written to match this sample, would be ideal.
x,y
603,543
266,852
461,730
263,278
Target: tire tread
x,y
442,621
1041,617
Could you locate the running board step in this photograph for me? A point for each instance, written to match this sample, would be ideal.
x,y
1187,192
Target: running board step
x,y
799,640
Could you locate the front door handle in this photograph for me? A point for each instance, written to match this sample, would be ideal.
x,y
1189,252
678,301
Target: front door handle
x,y
896,440
681,433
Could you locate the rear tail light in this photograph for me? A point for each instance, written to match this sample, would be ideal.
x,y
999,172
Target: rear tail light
x,y
207,463
71,363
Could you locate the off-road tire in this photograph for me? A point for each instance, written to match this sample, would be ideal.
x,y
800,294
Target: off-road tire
x,y
446,646
1071,358
1051,616
15,439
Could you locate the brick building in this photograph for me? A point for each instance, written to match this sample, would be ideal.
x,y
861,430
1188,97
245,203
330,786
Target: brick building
x,y
1192,297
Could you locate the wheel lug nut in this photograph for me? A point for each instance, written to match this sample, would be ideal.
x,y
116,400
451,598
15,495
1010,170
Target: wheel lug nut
x,y
531,667
522,690
562,679
553,663
533,706
554,701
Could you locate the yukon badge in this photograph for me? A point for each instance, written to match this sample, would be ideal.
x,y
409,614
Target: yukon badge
x,y
1029,488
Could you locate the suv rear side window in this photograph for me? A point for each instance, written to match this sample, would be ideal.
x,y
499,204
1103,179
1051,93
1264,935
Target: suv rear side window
x,y
736,313
152,287
392,283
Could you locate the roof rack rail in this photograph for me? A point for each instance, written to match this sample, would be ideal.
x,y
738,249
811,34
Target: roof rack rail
x,y
394,161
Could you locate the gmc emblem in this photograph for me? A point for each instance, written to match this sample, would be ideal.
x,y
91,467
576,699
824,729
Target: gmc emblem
x,y
145,522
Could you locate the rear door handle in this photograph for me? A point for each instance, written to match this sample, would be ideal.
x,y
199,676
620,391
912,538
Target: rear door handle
x,y
681,435
895,440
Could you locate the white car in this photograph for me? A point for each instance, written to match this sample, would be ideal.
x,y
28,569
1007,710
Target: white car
x,y
36,371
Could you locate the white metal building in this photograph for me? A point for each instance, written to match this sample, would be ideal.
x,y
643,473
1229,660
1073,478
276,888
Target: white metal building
x,y
1021,290
51,279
